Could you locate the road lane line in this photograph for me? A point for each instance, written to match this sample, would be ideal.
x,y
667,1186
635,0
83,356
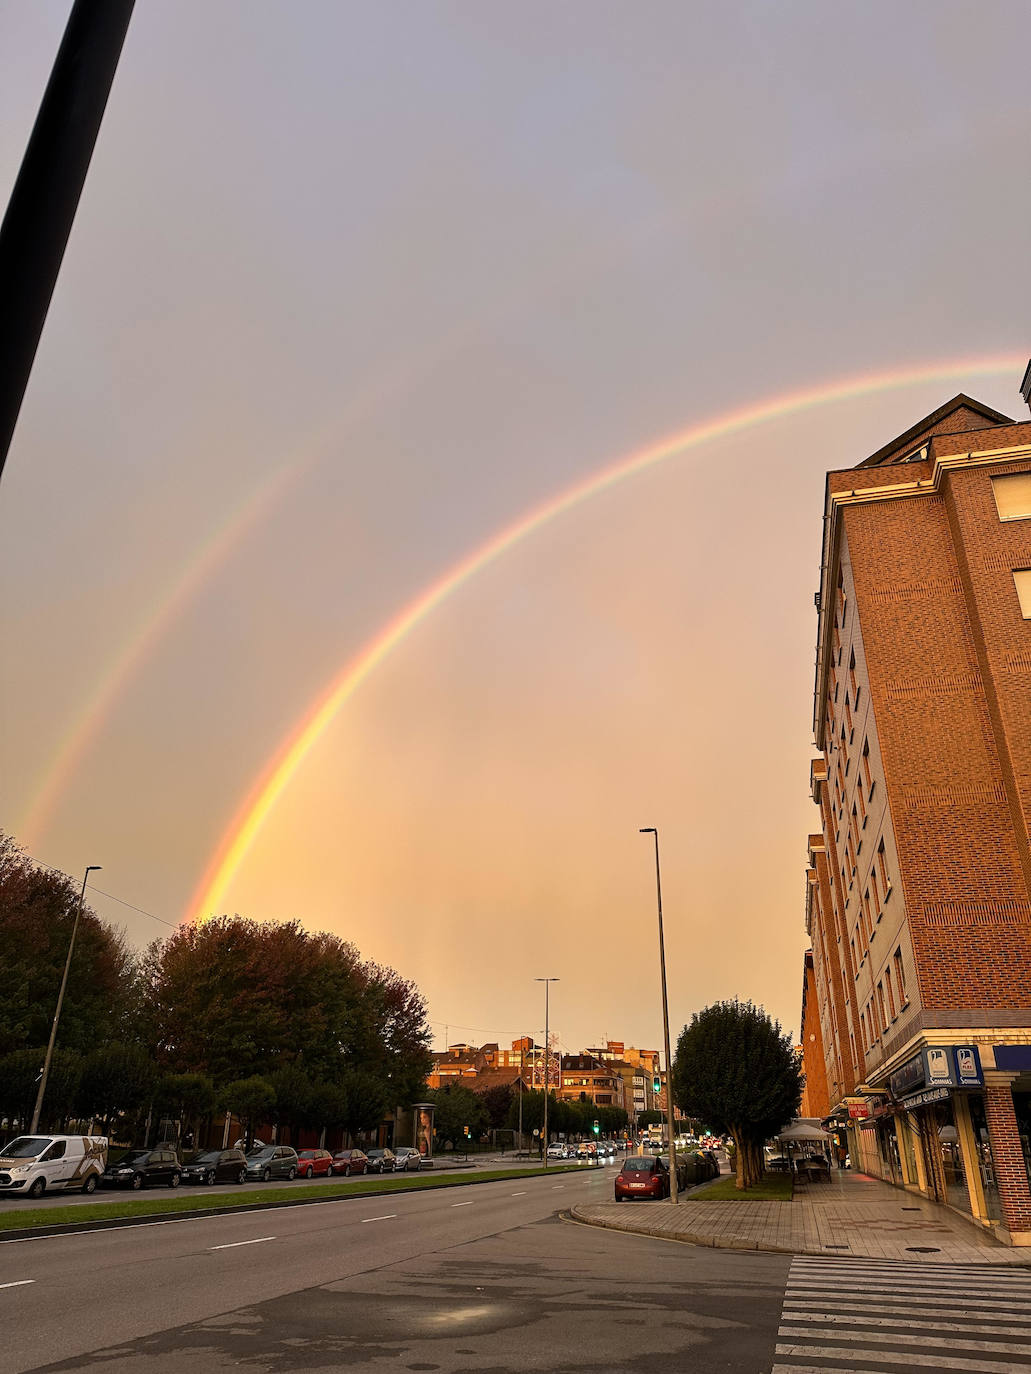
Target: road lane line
x,y
557,1185
18,1283
388,1217
461,1204
522,1194
234,1244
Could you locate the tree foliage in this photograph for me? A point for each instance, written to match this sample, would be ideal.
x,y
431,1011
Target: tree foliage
x,y
37,913
456,1108
736,1070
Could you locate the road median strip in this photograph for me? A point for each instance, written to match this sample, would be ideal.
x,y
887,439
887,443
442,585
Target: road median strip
x,y
55,1220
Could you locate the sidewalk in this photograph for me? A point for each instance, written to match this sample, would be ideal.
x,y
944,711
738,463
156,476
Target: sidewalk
x,y
852,1215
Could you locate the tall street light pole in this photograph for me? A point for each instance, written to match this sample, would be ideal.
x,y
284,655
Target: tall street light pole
x,y
674,1188
93,868
547,1054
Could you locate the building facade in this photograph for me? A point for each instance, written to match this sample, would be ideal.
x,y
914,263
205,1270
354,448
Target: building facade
x,y
918,900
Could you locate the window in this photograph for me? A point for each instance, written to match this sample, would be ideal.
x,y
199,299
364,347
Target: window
x,y
1022,579
866,912
880,1003
888,990
862,1029
1013,495
883,868
852,674
876,894
56,1151
867,775
862,807
900,977
848,715
853,826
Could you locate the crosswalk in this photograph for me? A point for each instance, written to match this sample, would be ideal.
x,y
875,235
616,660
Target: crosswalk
x,y
844,1316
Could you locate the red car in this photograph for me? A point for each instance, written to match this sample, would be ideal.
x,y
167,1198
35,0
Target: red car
x,y
349,1162
311,1162
642,1176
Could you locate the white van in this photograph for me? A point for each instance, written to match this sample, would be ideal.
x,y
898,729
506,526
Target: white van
x,y
35,1164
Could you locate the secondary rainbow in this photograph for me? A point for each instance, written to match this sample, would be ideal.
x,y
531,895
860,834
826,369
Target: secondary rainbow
x,y
277,773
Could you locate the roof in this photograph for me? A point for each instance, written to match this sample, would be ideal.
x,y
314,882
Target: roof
x,y
898,450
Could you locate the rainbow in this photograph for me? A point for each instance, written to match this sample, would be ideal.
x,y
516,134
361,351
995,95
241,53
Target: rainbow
x,y
280,769
89,720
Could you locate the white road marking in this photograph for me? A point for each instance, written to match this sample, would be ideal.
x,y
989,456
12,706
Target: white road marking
x,y
557,1185
837,1352
461,1204
234,1244
522,1194
389,1216
18,1283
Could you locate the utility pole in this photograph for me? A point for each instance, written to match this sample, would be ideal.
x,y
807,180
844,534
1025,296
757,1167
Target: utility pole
x,y
42,207
93,868
674,1186
547,1051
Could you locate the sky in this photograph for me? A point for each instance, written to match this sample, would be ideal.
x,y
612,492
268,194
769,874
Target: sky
x,y
443,368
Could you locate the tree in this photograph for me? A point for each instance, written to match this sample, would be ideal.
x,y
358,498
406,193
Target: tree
x,y
649,1119
37,912
736,1069
187,1098
116,1079
457,1107
497,1102
365,1101
19,1083
251,1099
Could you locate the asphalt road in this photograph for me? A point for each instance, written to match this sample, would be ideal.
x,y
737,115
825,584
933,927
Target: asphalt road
x,y
484,1280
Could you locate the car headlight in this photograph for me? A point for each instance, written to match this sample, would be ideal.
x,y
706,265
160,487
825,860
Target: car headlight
x,y
123,1172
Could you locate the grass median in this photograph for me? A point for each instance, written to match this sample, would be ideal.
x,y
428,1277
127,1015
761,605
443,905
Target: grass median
x,y
770,1188
248,1197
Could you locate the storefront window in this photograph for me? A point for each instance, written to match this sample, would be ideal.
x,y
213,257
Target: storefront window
x,y
956,1192
984,1155
1022,1108
889,1148
905,1135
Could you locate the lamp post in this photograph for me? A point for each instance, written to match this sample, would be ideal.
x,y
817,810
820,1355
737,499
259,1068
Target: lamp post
x,y
547,1053
674,1186
93,868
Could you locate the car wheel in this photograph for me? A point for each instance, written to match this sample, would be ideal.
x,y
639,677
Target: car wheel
x,y
308,1172
90,1185
241,1177
347,1171
293,1174
266,1175
137,1181
209,1177
173,1182
38,1187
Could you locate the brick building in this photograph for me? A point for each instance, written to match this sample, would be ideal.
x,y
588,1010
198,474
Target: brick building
x,y
919,881
815,1099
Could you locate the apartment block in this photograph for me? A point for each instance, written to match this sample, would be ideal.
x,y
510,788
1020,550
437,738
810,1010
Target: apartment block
x,y
918,894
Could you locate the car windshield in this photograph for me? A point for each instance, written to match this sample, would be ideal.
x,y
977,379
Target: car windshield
x,y
134,1157
637,1166
26,1147
209,1157
261,1154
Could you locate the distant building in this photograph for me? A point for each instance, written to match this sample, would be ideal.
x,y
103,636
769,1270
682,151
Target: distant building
x,y
919,892
815,1098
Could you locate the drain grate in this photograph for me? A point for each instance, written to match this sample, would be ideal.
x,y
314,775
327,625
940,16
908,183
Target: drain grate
x,y
835,1247
911,1209
923,1249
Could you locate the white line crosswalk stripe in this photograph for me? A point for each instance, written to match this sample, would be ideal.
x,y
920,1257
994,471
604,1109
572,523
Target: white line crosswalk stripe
x,y
867,1317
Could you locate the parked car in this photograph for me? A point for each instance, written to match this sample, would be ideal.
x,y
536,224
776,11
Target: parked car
x,y
312,1162
273,1161
559,1151
688,1173
407,1158
205,1166
143,1169
32,1164
642,1176
380,1161
349,1162
714,1162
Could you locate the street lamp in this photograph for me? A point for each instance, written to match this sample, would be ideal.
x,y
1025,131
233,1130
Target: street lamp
x,y
547,1052
674,1186
93,868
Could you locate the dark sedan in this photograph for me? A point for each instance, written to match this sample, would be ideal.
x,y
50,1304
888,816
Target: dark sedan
x,y
349,1162
380,1161
143,1168
209,1166
274,1161
642,1176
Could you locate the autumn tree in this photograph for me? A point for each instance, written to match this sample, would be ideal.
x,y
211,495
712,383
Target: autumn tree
x,y
37,912
738,1071
116,1079
456,1108
252,1099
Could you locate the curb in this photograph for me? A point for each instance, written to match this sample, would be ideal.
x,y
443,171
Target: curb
x,y
711,1242
71,1228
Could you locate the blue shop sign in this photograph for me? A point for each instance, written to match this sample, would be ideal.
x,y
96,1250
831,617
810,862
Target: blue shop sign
x,y
909,1077
968,1066
1013,1058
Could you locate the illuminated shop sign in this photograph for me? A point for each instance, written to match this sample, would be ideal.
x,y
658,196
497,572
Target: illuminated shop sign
x,y
968,1066
909,1077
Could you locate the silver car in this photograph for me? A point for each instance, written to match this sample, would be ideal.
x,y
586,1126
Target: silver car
x,y
407,1157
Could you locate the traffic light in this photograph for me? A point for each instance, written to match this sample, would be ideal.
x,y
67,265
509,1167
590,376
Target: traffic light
x,y
597,1127
656,1084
